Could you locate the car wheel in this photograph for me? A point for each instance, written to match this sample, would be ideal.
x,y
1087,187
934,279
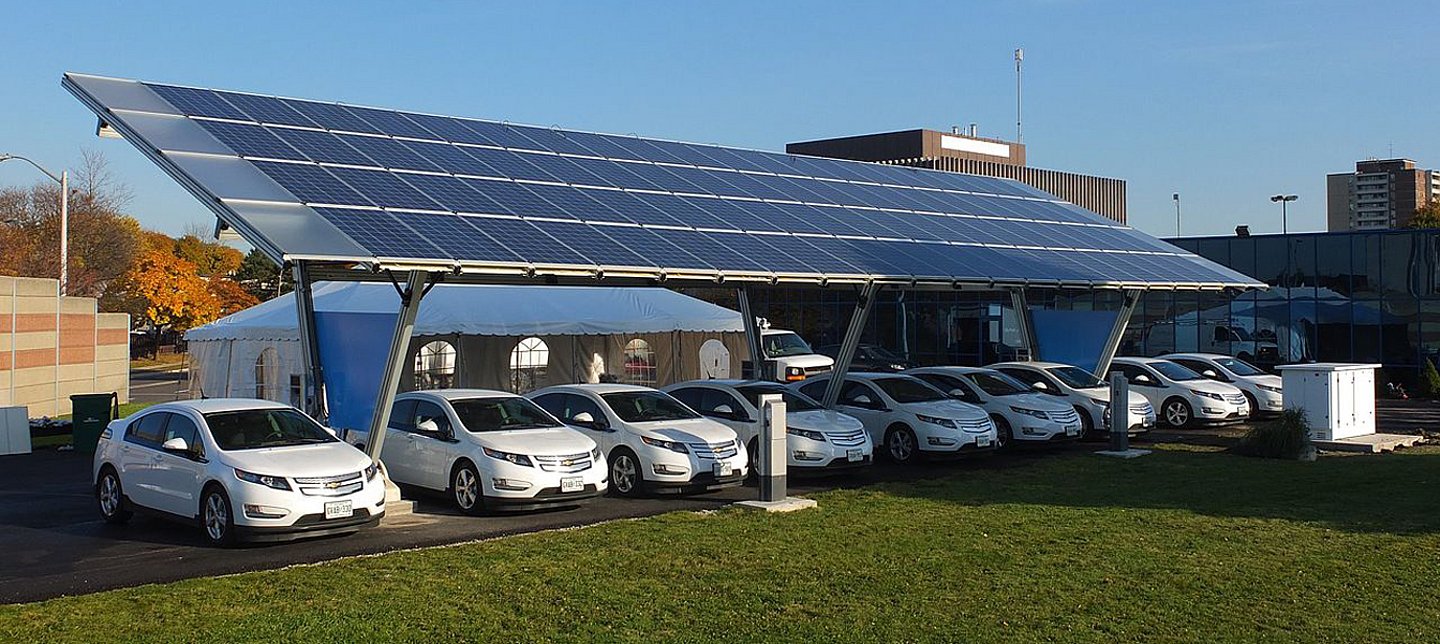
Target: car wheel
x,y
1003,435
466,489
1087,425
111,498
625,473
217,521
1176,413
900,444
754,455
1254,404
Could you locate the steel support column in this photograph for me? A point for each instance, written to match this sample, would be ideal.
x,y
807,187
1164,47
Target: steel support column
x,y
312,386
752,335
1112,344
1022,320
852,340
395,362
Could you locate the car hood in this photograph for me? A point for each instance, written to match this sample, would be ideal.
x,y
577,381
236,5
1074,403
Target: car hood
x,y
550,441
806,360
1103,396
1264,379
326,459
953,409
823,420
1040,402
695,430
1209,386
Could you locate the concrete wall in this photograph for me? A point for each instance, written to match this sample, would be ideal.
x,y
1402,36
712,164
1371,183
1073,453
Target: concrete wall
x,y
52,347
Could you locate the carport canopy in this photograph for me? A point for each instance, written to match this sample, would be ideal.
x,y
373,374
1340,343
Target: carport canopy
x,y
345,192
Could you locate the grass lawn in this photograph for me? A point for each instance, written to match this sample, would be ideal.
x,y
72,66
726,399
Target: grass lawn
x,y
1185,544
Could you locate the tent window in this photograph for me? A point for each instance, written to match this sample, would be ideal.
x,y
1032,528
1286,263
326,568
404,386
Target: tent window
x,y
435,366
639,363
528,361
714,359
266,372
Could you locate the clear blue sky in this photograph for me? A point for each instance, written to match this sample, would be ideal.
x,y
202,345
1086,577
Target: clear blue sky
x,y
1225,102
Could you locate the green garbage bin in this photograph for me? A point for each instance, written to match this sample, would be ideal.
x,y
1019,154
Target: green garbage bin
x,y
89,414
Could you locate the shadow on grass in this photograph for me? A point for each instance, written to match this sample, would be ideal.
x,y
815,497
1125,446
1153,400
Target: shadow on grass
x,y
1392,493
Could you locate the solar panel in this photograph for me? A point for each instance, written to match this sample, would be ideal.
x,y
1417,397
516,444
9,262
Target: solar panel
x,y
456,193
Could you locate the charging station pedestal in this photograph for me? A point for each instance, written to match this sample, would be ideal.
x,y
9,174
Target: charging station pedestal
x,y
1120,420
771,460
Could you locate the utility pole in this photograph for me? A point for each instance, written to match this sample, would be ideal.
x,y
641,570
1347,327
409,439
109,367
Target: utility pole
x,y
1019,60
1176,197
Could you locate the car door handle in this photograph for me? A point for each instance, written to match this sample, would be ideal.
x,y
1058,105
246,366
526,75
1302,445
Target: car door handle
x,y
158,457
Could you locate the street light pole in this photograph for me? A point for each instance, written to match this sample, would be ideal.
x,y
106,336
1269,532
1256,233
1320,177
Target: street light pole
x,y
64,181
1176,197
1284,201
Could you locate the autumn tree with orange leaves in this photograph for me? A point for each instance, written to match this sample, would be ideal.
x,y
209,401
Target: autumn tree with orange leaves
x,y
166,292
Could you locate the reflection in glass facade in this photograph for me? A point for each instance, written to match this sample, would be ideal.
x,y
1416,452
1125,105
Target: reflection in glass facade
x,y
1334,297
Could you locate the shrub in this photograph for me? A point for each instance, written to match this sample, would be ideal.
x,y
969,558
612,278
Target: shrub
x,y
1429,381
1286,437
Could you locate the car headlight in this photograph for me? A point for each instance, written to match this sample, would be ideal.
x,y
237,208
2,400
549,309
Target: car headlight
x,y
806,433
943,422
276,482
794,374
372,470
664,444
1273,390
1207,394
1035,413
595,453
518,459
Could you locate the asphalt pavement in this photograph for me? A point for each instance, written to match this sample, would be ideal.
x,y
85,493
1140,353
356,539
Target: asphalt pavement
x,y
156,385
55,544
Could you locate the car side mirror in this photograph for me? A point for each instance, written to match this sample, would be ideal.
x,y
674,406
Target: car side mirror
x,y
1040,386
1142,379
429,426
724,410
1210,373
176,445
957,393
586,419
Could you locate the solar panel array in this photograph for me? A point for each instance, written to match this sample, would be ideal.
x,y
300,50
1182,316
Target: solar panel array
x,y
423,188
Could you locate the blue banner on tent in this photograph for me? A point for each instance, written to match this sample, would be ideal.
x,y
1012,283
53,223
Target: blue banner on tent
x,y
353,349
1072,337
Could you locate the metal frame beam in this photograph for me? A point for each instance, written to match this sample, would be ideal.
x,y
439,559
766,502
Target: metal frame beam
x,y
1112,344
312,387
395,363
858,317
1022,319
758,359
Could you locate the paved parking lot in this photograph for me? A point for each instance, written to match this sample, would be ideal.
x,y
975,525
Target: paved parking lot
x,y
55,544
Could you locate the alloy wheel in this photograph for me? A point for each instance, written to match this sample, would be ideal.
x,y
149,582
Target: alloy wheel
x,y
109,495
622,473
1177,414
217,516
466,492
902,445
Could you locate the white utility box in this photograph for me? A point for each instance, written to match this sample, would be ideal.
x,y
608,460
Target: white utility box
x,y
1338,399
14,430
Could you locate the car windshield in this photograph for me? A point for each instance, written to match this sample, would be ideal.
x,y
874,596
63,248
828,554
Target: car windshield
x,y
909,390
997,384
785,344
881,353
501,414
793,401
256,428
1176,372
1076,377
1241,334
646,406
1239,367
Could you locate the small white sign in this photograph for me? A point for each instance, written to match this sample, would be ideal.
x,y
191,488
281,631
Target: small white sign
x,y
961,144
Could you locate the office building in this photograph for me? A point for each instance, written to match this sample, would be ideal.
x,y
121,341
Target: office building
x,y
1379,194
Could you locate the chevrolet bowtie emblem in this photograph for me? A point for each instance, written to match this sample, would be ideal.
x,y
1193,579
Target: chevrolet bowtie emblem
x,y
566,462
332,485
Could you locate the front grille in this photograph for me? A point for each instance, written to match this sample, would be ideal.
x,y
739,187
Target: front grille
x,y
847,439
565,464
1144,409
1235,399
337,485
726,449
975,426
810,371
1065,417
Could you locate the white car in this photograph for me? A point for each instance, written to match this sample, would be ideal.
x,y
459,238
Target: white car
x,y
1263,390
816,439
909,417
1020,415
1090,396
652,441
240,469
1181,395
489,450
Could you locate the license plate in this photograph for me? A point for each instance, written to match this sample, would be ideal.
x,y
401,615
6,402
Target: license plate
x,y
339,509
1072,430
854,455
572,484
983,441
722,470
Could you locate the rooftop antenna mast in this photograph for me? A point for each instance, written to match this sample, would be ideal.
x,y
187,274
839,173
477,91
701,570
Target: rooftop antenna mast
x,y
1019,64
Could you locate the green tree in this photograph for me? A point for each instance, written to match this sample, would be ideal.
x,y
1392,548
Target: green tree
x,y
261,277
211,259
1429,381
1426,216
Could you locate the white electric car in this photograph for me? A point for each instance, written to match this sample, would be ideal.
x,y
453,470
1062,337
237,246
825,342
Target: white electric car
x,y
1020,415
652,441
489,450
1263,390
1181,395
817,440
240,469
909,417
1090,396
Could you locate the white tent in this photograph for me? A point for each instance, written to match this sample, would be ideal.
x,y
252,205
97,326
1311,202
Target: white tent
x,y
499,337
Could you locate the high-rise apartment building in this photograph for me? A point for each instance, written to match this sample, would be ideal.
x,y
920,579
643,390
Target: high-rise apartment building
x,y
1380,193
971,154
